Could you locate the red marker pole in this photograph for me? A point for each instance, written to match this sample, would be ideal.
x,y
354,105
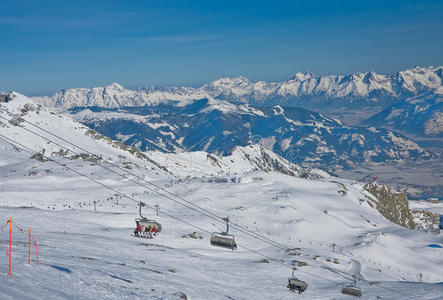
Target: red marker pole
x,y
10,245
29,246
36,252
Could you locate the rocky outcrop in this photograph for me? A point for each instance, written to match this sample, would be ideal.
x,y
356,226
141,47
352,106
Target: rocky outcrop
x,y
395,207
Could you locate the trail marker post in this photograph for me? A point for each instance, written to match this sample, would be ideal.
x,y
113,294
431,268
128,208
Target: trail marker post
x,y
29,246
10,245
36,252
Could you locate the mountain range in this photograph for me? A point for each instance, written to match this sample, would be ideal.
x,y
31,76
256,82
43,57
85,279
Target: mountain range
x,y
354,98
299,135
303,90
340,123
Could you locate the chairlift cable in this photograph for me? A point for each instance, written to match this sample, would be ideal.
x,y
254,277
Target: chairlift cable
x,y
147,205
212,215
216,218
129,197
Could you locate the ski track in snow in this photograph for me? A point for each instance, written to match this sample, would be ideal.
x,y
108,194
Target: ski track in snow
x,y
89,255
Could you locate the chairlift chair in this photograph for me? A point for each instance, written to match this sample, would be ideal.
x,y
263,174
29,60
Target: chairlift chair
x,y
223,239
145,223
352,289
295,284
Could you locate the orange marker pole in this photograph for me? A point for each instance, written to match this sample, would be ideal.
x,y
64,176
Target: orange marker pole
x,y
36,252
10,245
29,246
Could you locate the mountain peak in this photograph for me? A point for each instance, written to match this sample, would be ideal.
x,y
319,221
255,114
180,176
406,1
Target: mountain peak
x,y
115,86
230,81
303,76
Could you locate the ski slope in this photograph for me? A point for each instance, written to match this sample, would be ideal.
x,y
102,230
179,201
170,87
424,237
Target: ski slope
x,y
105,261
90,254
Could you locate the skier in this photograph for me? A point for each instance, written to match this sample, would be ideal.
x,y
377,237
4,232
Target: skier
x,y
150,232
137,229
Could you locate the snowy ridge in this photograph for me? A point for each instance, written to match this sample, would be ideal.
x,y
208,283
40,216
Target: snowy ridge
x,y
242,160
115,95
299,90
23,108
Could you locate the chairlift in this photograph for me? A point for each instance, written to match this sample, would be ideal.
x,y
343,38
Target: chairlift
x,y
146,225
223,239
295,284
352,289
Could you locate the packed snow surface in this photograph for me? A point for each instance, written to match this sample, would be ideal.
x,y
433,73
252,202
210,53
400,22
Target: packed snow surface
x,y
90,254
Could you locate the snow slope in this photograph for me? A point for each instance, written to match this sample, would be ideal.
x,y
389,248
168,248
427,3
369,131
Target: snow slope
x,y
20,108
90,254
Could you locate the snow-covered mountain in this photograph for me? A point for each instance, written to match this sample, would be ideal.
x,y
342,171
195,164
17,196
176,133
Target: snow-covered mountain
x,y
299,135
241,160
351,99
16,110
304,90
420,115
115,95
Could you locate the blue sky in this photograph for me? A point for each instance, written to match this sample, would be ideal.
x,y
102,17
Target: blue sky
x,y
49,45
